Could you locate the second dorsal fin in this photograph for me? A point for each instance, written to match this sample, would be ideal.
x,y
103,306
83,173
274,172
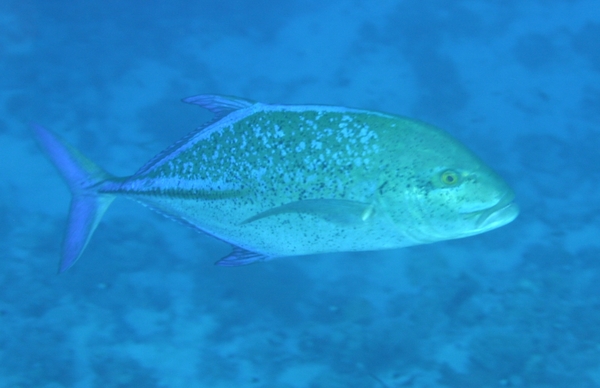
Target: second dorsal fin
x,y
218,104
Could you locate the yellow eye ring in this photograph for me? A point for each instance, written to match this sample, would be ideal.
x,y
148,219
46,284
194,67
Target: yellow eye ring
x,y
449,178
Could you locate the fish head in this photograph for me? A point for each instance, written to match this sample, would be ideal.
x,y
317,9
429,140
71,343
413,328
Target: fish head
x,y
464,202
454,194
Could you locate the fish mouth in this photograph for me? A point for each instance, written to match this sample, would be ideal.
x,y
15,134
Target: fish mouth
x,y
503,212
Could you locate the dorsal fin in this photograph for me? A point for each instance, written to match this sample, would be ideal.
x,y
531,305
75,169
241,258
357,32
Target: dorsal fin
x,y
218,104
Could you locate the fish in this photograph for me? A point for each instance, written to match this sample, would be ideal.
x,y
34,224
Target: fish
x,y
292,180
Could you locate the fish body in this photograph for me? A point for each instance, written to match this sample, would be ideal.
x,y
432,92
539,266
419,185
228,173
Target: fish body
x,y
283,180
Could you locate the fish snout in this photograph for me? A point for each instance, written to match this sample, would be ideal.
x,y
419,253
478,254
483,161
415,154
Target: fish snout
x,y
502,213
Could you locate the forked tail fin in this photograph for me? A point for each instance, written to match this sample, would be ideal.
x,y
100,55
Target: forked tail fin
x,y
83,178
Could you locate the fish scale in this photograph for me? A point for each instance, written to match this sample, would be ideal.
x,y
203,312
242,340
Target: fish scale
x,y
287,180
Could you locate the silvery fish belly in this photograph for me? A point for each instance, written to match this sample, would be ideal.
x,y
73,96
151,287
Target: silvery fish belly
x,y
277,180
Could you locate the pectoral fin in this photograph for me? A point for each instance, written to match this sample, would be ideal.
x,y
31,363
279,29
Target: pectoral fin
x,y
339,211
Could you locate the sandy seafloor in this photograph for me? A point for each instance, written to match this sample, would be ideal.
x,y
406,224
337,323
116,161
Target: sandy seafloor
x,y
518,81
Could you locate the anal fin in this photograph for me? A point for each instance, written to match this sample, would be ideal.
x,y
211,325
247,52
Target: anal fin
x,y
240,256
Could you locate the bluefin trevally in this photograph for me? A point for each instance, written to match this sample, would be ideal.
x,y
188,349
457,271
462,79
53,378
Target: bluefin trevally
x,y
288,180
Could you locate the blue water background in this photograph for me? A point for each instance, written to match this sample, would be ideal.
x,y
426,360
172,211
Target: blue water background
x,y
518,81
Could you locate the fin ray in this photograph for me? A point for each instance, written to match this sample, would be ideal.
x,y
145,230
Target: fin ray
x,y
240,256
220,105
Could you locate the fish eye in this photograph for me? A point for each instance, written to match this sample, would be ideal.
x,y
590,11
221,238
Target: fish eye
x,y
450,178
